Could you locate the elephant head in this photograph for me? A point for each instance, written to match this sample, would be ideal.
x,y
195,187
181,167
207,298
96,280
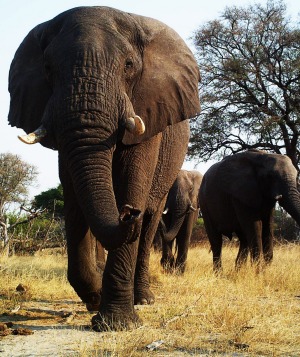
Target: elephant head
x,y
182,200
93,78
256,178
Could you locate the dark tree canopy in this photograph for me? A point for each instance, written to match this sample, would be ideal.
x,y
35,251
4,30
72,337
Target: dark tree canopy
x,y
51,199
250,90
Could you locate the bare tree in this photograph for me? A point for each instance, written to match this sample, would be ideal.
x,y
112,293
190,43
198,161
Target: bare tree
x,y
16,176
250,65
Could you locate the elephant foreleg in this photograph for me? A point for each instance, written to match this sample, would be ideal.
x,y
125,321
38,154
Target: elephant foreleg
x,y
254,238
85,254
167,260
116,309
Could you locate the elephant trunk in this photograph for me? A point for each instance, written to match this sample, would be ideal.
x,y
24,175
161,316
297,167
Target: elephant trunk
x,y
92,180
290,201
176,221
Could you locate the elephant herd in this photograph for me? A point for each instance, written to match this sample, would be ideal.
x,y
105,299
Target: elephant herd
x,y
236,195
112,92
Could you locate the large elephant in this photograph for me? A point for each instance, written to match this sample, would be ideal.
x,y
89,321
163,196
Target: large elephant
x,y
112,92
239,194
178,219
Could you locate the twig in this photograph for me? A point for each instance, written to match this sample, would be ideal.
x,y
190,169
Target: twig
x,y
184,313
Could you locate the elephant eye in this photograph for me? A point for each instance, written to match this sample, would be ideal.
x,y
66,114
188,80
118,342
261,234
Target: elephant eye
x,y
128,64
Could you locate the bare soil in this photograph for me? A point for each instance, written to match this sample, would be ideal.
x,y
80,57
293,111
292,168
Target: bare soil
x,y
60,328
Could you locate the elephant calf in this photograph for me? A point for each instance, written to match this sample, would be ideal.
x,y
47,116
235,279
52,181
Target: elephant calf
x,y
239,194
178,219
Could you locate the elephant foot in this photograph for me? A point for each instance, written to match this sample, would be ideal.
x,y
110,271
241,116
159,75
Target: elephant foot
x,y
218,271
217,266
168,269
168,265
145,297
92,301
268,259
180,269
259,267
115,322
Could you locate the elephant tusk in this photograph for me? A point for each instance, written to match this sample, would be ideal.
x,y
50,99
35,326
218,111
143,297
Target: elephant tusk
x,y
166,211
278,197
135,125
193,208
34,137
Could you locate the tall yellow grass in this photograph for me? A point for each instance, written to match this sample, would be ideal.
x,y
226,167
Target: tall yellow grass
x,y
242,313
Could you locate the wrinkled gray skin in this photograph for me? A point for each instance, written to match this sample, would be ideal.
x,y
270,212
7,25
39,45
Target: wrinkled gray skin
x,y
239,193
81,75
179,217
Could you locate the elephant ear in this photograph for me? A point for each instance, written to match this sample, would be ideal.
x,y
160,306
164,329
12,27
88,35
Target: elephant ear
x,y
238,177
167,91
29,90
196,180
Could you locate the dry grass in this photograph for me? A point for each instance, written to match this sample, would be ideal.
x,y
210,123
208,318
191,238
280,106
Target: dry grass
x,y
241,314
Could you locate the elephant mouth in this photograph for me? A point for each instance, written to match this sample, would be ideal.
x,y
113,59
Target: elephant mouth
x,y
134,125
129,214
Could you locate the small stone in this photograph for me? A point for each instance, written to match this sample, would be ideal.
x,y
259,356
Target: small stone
x,y
21,288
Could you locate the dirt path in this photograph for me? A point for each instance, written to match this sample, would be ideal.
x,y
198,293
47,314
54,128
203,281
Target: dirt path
x,y
62,329
54,329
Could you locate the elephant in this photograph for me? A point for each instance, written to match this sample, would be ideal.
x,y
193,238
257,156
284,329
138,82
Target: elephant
x,y
238,195
178,219
113,93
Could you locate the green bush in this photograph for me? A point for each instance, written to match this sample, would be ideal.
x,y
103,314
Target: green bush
x,y
41,232
199,233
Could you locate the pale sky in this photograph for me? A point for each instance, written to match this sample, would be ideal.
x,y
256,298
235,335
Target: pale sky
x,y
18,17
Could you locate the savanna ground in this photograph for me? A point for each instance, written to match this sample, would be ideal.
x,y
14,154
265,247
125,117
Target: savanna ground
x,y
198,314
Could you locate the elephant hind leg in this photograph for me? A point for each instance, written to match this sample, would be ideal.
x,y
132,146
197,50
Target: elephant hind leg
x,y
215,239
216,243
268,249
142,293
255,242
